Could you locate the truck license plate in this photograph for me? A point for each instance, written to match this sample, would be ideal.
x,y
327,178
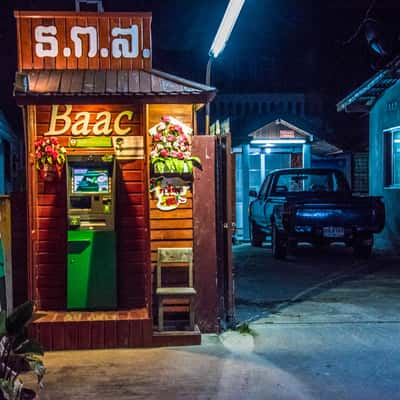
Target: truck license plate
x,y
333,231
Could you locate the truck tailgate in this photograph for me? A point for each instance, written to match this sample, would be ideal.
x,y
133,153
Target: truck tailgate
x,y
334,215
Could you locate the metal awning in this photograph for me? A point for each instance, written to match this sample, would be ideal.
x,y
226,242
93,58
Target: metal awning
x,y
103,86
365,96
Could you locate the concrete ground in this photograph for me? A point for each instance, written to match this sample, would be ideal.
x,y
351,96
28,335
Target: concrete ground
x,y
324,326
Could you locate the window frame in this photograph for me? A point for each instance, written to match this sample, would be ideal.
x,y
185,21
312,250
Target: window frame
x,y
388,159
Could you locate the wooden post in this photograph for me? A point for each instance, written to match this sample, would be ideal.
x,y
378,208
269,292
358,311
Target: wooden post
x,y
5,236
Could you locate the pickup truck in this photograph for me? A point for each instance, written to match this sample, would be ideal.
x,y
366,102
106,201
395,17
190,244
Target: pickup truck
x,y
315,206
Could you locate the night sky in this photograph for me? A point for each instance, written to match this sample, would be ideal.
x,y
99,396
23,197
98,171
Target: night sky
x,y
294,45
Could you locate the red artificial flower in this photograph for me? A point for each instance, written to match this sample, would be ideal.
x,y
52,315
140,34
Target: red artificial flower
x,y
164,153
170,201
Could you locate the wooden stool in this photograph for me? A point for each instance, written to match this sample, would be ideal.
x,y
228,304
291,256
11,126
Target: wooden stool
x,y
179,258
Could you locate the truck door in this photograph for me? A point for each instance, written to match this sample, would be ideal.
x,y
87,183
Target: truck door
x,y
258,208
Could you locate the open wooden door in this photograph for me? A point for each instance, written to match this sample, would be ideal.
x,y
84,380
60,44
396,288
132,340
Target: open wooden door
x,y
225,193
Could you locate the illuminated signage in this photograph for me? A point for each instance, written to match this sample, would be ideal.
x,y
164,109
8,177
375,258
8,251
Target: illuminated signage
x,y
124,42
78,40
62,122
286,134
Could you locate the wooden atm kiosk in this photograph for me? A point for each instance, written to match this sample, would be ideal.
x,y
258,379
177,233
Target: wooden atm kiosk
x,y
91,266
95,224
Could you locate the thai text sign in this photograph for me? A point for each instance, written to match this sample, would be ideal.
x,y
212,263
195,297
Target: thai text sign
x,y
66,40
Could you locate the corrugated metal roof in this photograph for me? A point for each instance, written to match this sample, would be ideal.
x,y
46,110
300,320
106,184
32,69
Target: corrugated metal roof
x,y
144,86
279,121
364,97
323,148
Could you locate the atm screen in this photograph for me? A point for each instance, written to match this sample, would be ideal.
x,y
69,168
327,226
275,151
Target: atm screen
x,y
90,180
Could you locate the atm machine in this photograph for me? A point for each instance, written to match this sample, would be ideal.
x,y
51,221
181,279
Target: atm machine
x,y
91,268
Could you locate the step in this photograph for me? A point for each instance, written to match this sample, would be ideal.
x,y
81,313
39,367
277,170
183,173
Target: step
x,y
177,338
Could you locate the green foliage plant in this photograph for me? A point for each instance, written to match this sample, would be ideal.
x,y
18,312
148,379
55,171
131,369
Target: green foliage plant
x,y
18,354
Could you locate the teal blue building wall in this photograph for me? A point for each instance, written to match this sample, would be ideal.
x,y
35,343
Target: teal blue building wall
x,y
10,157
385,115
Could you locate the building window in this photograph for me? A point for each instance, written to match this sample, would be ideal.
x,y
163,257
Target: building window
x,y
255,171
392,158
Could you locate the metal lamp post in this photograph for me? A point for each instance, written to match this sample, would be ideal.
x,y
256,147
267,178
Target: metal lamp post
x,y
221,38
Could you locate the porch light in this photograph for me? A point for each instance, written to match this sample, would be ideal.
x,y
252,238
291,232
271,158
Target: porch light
x,y
277,141
394,128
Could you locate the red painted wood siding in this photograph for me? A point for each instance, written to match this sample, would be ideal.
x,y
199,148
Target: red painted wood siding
x,y
132,231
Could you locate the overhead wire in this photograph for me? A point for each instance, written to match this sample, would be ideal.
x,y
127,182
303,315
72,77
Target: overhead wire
x,y
358,30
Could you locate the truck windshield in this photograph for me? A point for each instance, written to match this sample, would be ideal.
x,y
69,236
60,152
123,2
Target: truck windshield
x,y
318,181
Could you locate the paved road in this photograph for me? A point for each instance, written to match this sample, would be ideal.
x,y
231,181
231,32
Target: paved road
x,y
325,319
337,341
264,284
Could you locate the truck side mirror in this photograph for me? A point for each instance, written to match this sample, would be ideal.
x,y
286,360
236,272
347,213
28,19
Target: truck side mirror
x,y
253,193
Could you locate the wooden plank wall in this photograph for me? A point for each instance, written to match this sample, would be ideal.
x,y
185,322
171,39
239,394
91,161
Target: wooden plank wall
x,y
132,232
51,245
64,21
50,222
169,228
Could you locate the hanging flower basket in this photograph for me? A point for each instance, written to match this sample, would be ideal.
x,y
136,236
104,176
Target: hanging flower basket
x,y
171,148
50,158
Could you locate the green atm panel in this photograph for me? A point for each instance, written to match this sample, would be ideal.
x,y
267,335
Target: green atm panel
x,y
91,273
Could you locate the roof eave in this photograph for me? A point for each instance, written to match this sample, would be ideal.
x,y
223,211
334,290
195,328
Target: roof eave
x,y
352,103
48,99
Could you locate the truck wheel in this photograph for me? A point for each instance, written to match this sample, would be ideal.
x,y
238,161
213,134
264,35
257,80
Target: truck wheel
x,y
279,247
256,236
363,246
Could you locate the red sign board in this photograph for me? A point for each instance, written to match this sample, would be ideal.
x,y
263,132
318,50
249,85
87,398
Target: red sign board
x,y
83,40
286,134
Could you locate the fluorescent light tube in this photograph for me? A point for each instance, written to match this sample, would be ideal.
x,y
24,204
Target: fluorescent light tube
x,y
278,141
224,31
